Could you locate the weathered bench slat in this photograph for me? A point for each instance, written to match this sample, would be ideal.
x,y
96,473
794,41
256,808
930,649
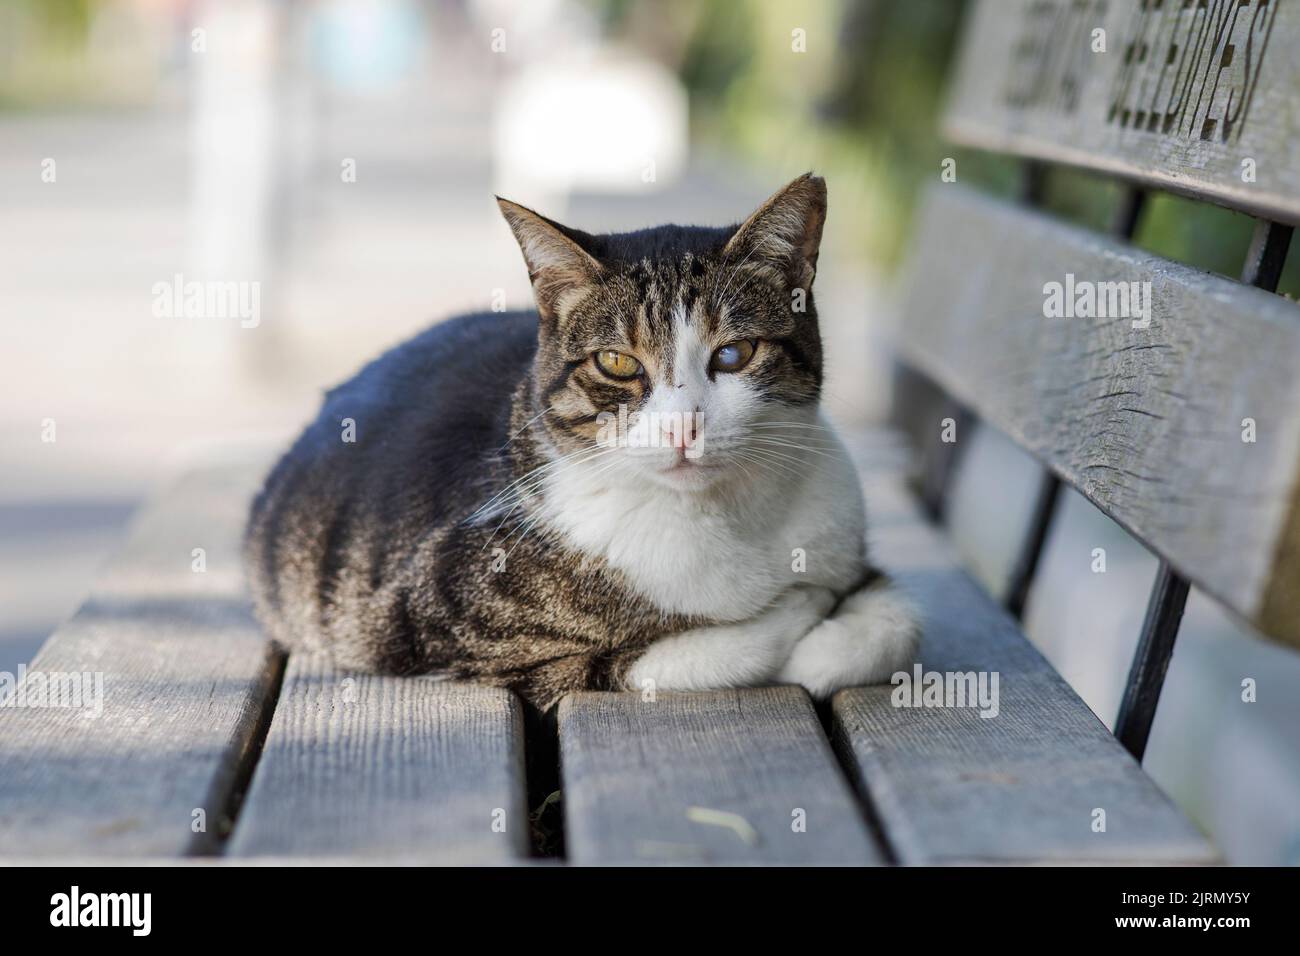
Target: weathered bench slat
x,y
950,786
391,767
1147,422
186,676
714,777
1198,98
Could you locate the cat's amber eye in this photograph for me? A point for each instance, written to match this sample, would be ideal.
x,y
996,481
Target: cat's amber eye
x,y
733,356
617,364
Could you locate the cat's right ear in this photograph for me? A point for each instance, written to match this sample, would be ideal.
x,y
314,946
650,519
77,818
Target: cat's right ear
x,y
556,263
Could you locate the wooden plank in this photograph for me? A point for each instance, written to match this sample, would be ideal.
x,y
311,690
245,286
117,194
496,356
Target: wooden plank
x,y
1147,422
716,777
387,767
186,676
950,786
1183,95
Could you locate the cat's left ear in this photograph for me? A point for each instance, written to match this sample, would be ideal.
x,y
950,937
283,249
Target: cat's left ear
x,y
785,233
556,262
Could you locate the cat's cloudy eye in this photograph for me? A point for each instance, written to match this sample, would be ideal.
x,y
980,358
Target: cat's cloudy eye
x,y
733,356
617,364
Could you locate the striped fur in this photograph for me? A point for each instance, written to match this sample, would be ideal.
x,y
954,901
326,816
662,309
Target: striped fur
x,y
477,529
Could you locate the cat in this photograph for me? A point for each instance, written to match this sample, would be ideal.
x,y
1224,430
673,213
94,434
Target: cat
x,y
629,488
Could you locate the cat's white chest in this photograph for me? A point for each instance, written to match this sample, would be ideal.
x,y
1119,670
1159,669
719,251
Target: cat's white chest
x,y
684,558
724,559
690,561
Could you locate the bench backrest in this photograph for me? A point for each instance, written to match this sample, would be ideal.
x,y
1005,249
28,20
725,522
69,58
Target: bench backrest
x,y
1164,394
1187,95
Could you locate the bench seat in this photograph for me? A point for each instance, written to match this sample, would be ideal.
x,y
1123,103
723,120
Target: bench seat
x,y
210,746
951,786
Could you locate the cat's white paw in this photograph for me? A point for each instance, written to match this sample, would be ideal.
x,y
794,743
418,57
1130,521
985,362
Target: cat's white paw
x,y
802,606
733,655
874,633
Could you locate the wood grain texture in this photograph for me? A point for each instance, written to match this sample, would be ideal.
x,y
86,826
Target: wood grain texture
x,y
1183,94
704,778
950,786
1147,423
186,675
387,767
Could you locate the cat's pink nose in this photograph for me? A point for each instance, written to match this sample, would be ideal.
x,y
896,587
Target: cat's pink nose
x,y
680,431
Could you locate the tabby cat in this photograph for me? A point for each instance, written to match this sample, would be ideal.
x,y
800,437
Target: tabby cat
x,y
630,487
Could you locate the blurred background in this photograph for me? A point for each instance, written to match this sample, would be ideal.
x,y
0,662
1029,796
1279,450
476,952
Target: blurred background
x,y
343,156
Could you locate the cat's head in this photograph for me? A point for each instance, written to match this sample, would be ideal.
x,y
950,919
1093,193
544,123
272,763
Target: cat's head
x,y
678,355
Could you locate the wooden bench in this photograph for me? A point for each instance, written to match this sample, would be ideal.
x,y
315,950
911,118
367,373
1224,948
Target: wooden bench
x,y
212,745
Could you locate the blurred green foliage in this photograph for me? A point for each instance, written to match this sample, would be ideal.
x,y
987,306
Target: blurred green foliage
x,y
46,56
61,21
860,104
863,106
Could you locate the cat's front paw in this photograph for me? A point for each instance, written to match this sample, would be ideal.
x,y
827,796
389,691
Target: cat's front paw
x,y
874,634
743,654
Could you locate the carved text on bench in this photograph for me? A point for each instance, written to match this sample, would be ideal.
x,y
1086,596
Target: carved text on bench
x,y
1189,70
